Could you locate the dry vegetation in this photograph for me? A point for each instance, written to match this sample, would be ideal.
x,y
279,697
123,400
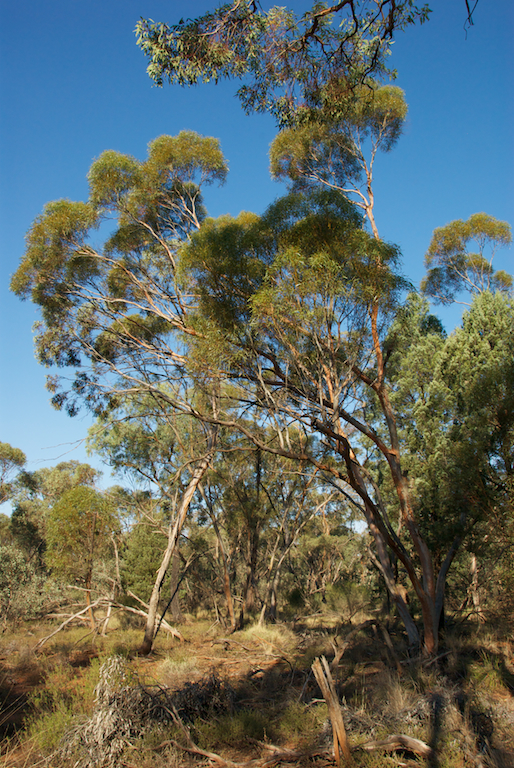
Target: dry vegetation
x,y
251,699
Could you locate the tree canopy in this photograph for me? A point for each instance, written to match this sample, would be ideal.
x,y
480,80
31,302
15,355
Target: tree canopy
x,y
295,67
454,269
11,460
119,307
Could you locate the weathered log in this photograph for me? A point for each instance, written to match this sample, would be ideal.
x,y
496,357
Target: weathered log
x,y
399,741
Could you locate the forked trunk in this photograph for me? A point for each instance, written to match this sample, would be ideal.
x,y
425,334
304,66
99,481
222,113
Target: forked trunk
x,y
173,536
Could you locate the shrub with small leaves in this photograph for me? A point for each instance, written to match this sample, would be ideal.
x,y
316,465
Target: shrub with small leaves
x,y
24,594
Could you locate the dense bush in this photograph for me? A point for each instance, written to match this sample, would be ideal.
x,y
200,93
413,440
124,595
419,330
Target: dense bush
x,y
24,593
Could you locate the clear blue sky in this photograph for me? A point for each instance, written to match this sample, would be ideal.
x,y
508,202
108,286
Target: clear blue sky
x,y
74,83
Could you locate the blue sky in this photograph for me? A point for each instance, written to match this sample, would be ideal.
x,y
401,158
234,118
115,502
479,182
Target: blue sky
x,y
74,83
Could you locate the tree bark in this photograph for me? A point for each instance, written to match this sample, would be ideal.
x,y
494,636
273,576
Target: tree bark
x,y
173,536
249,596
176,613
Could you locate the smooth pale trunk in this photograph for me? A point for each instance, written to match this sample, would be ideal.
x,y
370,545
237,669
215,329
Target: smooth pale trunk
x,y
174,533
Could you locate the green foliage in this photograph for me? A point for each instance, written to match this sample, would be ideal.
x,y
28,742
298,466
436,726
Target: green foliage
x,y
24,593
5,529
57,253
119,303
141,559
324,261
454,399
307,267
225,263
77,531
297,68
332,153
34,495
11,460
453,268
61,705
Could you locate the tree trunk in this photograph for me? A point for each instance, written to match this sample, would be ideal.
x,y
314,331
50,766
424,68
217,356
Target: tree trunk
x,y
249,596
173,536
89,579
269,607
475,594
226,572
176,613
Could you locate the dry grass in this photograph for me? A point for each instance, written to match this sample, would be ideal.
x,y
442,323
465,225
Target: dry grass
x,y
254,686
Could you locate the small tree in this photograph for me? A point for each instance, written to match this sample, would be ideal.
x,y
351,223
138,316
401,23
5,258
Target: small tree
x,y
150,442
35,493
78,532
25,594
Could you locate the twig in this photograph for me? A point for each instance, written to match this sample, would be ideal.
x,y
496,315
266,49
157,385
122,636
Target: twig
x,y
259,762
227,640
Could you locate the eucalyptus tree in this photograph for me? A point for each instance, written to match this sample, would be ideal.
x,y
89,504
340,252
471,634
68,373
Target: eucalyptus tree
x,y
309,346
340,153
456,269
296,67
258,503
302,497
167,453
115,313
12,460
237,504
35,493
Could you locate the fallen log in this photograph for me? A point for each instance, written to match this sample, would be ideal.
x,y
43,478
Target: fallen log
x,y
399,741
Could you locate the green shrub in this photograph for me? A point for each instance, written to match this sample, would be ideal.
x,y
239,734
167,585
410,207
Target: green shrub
x,y
24,594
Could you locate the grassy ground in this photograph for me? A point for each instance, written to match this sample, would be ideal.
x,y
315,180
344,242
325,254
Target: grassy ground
x,y
237,696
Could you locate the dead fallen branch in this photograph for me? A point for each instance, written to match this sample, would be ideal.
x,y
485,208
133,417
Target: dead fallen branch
x,y
65,623
104,602
226,640
399,741
164,624
277,756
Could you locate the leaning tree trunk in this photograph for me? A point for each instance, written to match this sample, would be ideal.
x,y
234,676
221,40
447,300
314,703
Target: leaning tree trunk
x,y
174,533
